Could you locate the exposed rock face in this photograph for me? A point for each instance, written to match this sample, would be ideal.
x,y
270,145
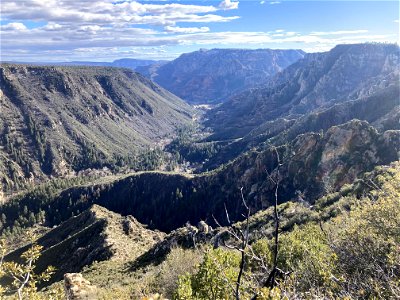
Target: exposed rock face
x,y
186,237
57,120
211,76
130,225
154,297
314,83
204,228
78,288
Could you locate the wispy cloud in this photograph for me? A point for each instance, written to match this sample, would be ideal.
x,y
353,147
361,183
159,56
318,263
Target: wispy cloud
x,y
340,32
274,2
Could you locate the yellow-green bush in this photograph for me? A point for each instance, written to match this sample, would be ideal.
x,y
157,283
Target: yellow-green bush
x,y
215,278
179,262
21,276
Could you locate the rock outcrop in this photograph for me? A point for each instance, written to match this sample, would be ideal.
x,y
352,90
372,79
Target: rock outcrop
x,y
78,288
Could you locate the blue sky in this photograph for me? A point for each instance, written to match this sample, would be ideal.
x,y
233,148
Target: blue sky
x,y
104,30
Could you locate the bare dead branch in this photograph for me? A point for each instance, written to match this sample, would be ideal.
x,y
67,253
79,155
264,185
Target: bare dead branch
x,y
270,282
245,242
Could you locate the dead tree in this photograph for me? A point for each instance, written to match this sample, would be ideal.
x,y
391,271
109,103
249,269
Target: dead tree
x,y
271,280
241,237
276,272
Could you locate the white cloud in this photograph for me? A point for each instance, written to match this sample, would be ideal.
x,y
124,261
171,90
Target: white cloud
x,y
226,38
291,40
104,12
178,29
340,32
52,26
90,29
13,27
99,24
282,32
275,2
396,21
262,2
228,4
77,43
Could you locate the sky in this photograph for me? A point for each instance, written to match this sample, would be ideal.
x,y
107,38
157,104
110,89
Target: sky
x,y
105,30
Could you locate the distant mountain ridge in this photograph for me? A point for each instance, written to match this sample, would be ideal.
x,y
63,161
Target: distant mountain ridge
x,y
314,83
211,76
130,63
